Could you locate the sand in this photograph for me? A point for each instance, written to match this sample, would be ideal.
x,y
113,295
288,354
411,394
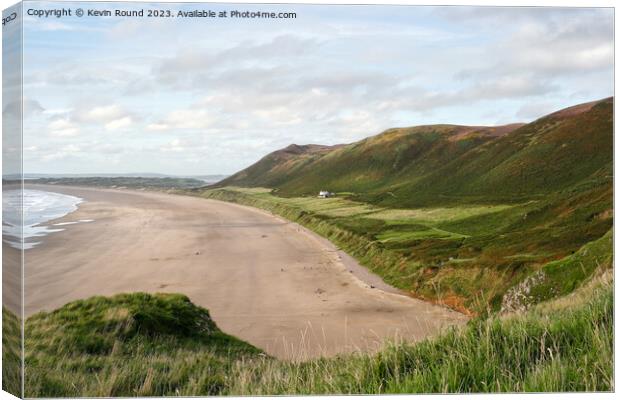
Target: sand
x,y
265,280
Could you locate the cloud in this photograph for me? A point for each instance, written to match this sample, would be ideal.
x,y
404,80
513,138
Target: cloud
x,y
120,123
125,28
62,127
80,74
191,118
506,87
54,25
195,68
112,116
325,104
32,107
29,106
175,146
63,152
58,111
101,114
534,110
546,45
51,26
158,126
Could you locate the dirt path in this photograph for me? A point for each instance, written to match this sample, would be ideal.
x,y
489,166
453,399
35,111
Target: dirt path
x,y
264,279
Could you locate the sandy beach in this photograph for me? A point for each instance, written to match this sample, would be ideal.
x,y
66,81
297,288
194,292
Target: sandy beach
x,y
265,280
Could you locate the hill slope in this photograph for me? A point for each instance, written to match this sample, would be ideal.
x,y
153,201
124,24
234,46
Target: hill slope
x,y
277,167
423,165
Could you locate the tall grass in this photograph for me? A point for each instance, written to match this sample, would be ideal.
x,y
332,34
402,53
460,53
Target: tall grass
x,y
11,353
570,349
128,345
132,345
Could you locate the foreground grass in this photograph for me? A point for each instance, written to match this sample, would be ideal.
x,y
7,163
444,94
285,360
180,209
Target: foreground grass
x,y
11,353
154,345
129,345
570,349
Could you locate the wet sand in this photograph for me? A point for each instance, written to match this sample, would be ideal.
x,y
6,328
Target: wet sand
x,y
264,279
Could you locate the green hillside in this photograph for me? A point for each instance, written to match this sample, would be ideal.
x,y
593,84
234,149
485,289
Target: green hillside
x,y
435,164
458,215
278,167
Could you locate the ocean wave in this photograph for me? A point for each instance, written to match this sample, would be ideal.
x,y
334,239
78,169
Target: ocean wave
x,y
38,207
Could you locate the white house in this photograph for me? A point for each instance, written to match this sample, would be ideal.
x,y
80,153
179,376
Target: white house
x,y
323,194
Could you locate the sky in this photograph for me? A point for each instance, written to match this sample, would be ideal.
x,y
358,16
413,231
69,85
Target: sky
x,y
11,93
211,96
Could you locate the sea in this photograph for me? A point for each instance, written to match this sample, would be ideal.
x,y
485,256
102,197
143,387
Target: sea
x,y
39,208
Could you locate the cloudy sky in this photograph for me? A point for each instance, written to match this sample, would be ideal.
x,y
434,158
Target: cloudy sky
x,y
196,96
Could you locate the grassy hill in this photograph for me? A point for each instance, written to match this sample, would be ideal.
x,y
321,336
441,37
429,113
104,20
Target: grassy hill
x,y
443,164
460,215
278,167
163,345
129,345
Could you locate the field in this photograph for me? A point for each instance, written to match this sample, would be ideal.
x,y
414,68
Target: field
x,y
163,345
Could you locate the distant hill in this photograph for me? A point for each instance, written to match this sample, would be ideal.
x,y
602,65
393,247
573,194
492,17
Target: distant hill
x,y
97,175
279,167
404,167
204,178
123,182
207,178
